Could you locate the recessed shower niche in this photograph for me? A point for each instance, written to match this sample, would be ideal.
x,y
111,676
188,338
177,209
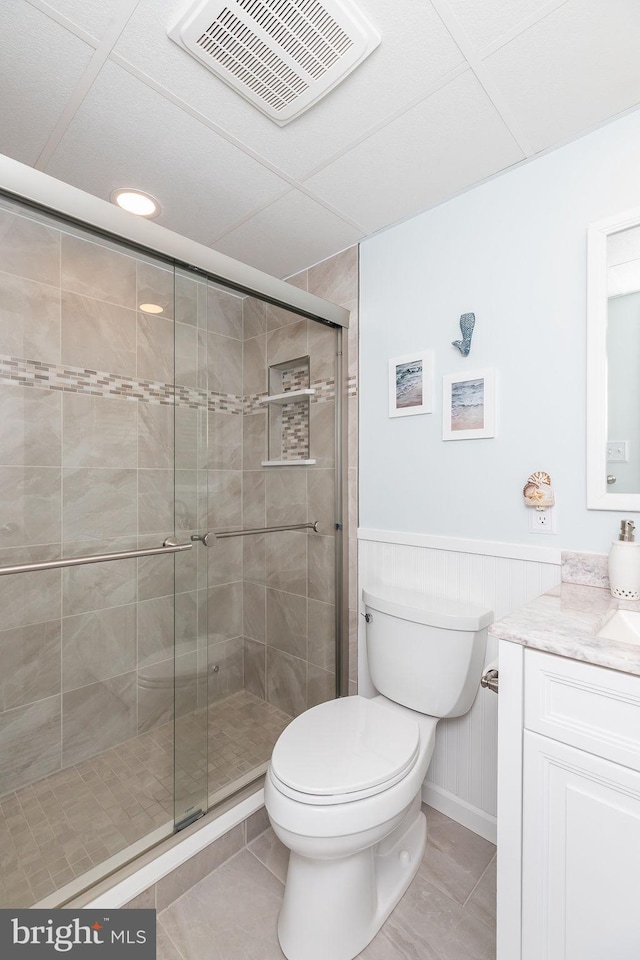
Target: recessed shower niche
x,y
288,403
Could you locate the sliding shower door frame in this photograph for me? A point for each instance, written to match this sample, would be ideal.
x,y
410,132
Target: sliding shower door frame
x,y
342,515
24,184
48,196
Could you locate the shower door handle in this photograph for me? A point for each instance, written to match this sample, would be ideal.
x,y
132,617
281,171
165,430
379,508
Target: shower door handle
x,y
206,538
170,545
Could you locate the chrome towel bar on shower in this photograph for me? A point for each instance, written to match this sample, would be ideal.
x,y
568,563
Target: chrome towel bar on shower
x,y
291,526
170,545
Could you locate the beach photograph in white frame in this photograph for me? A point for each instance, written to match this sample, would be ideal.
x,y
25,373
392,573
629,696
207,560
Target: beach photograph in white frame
x,y
469,405
411,384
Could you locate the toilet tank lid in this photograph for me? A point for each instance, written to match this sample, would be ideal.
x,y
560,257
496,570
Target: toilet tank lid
x,y
422,608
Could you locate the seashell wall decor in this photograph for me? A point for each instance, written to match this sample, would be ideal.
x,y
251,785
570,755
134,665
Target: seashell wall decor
x,y
537,491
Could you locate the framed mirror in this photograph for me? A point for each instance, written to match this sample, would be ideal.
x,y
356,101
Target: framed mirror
x,y
613,363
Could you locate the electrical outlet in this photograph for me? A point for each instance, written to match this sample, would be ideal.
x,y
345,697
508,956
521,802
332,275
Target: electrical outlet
x,y
542,521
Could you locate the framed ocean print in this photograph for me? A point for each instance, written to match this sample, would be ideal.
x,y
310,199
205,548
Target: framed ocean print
x,y
411,384
469,405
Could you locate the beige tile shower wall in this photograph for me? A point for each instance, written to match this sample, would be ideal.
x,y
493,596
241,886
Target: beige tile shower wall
x,y
338,279
225,659
289,645
87,443
86,465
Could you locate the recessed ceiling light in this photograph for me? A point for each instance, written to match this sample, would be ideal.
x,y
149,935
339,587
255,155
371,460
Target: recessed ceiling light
x,y
135,201
150,308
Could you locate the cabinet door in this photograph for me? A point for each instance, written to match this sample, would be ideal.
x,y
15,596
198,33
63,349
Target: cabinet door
x,y
581,855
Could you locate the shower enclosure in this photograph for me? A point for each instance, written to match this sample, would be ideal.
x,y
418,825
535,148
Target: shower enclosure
x,y
171,573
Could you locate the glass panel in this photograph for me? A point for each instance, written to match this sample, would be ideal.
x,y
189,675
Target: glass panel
x,y
134,406
227,742
191,569
86,467
272,595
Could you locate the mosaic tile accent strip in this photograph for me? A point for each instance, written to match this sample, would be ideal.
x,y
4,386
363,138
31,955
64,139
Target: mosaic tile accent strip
x,y
295,430
33,373
325,390
225,403
295,378
253,403
54,831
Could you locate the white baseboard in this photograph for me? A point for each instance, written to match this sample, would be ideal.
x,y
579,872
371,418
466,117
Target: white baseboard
x,y
480,822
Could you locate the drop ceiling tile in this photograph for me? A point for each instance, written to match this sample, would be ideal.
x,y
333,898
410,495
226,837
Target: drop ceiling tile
x,y
487,21
35,49
94,16
451,140
571,70
125,134
415,52
288,236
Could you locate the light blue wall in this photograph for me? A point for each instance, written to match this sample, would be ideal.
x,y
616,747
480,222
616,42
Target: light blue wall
x,y
513,251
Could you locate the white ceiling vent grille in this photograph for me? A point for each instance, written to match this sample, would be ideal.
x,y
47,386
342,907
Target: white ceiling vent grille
x,y
281,55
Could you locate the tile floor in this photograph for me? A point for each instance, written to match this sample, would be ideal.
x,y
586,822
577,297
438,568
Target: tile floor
x,y
448,912
54,831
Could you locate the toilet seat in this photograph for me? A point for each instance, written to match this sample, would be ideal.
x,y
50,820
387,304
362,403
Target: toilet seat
x,y
344,750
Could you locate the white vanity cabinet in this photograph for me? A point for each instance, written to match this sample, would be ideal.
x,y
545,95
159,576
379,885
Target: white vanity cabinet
x,y
569,809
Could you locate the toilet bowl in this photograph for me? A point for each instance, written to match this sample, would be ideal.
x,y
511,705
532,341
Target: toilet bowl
x,y
330,907
343,787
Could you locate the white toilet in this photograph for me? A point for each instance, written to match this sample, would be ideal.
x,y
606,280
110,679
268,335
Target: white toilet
x,y
343,787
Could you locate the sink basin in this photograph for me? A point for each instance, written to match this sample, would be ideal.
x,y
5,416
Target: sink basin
x,y
623,625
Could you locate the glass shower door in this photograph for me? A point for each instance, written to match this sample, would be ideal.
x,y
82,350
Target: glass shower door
x,y
272,577
102,443
139,407
191,411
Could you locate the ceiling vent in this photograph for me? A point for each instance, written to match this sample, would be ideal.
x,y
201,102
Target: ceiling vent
x,y
281,55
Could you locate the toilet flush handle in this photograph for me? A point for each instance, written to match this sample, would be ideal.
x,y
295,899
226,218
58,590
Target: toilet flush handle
x,y
368,617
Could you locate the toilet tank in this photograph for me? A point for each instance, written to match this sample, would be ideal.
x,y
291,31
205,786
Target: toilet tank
x,y
425,652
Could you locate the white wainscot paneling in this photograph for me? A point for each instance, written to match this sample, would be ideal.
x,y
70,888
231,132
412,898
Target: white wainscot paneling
x,y
461,782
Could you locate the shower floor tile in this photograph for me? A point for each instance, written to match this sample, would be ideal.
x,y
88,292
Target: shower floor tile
x,y
54,831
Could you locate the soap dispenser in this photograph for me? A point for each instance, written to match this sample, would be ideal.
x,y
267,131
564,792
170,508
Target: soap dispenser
x,y
624,564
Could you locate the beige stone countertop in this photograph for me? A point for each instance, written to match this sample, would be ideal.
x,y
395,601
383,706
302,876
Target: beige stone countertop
x,y
565,621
